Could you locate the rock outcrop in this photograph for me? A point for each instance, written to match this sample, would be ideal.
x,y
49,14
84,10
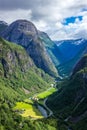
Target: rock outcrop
x,y
24,33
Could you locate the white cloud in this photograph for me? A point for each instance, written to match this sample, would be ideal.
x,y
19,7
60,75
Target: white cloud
x,y
41,25
49,15
10,16
72,30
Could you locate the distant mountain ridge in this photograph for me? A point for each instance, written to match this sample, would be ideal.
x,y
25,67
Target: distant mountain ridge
x,y
54,58
71,52
3,26
70,48
3,22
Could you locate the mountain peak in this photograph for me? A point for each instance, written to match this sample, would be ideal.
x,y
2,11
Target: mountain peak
x,y
24,33
3,22
20,32
24,25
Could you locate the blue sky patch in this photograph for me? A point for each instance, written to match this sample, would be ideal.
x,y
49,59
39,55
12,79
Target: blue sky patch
x,y
71,20
84,9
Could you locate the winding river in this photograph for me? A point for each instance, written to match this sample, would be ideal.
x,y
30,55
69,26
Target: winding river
x,y
42,110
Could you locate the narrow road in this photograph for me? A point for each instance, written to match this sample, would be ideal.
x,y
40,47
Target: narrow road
x,y
51,113
79,104
44,103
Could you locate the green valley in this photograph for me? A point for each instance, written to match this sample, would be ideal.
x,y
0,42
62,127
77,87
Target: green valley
x,y
43,84
19,80
46,93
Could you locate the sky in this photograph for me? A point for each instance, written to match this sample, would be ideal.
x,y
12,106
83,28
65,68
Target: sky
x,y
61,19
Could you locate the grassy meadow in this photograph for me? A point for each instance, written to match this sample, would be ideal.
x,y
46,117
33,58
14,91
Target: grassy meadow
x,y
27,110
46,93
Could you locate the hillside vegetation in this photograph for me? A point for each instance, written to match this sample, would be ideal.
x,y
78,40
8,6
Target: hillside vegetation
x,y
69,103
19,79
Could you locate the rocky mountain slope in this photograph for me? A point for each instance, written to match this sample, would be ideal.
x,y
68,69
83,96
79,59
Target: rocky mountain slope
x,y
18,70
59,57
25,34
51,48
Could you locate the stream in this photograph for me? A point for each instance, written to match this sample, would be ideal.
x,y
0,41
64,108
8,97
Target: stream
x,y
45,113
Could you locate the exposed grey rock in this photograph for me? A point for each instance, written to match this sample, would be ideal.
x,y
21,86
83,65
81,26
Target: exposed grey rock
x,y
24,33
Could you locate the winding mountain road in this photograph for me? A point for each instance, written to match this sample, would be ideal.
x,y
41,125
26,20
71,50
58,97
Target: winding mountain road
x,y
50,111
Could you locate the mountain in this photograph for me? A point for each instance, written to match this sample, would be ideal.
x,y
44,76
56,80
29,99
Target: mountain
x,y
21,76
24,33
81,64
18,70
3,26
70,101
51,47
64,54
71,52
54,58
20,79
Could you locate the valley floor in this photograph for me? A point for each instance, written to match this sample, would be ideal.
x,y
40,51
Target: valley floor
x,y
35,107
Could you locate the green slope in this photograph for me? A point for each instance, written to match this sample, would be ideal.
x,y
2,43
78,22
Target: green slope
x,y
18,73
18,70
70,102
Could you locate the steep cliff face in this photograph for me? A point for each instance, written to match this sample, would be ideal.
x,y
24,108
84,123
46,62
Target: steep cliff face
x,y
18,70
20,32
25,34
51,48
13,56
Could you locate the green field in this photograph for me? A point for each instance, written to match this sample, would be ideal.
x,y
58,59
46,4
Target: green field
x,y
28,110
46,93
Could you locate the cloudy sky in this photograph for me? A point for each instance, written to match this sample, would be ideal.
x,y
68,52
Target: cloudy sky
x,y
61,19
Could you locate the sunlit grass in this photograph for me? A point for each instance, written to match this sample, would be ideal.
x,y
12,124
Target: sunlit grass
x,y
29,110
46,93
28,101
